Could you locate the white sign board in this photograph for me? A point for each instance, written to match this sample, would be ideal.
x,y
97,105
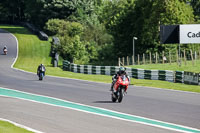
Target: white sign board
x,y
189,33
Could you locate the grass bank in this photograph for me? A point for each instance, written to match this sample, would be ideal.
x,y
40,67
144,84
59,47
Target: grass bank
x,y
33,52
6,127
173,66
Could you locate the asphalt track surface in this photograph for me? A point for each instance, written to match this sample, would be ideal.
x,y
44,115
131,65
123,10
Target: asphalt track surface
x,y
176,107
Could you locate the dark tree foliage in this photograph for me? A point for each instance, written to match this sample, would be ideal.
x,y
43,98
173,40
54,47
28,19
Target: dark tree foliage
x,y
196,6
12,11
40,11
108,25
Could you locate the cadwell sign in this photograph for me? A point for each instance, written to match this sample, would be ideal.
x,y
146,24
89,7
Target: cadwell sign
x,y
189,33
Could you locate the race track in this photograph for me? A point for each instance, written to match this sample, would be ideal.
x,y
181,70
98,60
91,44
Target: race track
x,y
182,108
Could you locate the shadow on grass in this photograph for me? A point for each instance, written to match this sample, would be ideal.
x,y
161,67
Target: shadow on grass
x,y
16,30
49,65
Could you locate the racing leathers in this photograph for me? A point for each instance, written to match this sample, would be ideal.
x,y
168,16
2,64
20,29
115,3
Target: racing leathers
x,y
115,77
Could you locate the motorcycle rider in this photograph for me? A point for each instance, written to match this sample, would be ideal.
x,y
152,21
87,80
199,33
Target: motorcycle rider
x,y
5,49
41,68
121,72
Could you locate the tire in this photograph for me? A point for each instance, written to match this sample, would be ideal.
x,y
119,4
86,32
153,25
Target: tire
x,y
114,99
120,96
41,76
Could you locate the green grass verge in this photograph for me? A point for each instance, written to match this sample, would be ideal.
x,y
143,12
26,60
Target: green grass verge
x,y
6,127
174,67
33,52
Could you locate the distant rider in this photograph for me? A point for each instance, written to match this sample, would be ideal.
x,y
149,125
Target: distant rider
x,y
5,49
41,68
121,72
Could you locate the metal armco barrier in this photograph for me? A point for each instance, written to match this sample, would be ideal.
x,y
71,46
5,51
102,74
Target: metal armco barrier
x,y
165,75
179,75
191,78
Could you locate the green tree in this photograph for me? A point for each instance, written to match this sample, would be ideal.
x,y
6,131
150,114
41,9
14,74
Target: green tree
x,y
166,12
117,16
142,18
54,26
95,34
71,48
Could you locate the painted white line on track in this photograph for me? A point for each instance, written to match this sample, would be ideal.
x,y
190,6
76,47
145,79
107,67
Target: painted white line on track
x,y
164,89
88,80
21,126
17,51
115,117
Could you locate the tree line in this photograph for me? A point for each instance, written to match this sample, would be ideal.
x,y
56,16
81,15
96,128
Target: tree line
x,y
100,31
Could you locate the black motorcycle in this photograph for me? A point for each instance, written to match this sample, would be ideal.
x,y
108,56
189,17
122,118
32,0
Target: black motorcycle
x,y
41,75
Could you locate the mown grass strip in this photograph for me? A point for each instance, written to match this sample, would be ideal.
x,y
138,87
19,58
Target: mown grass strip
x,y
173,66
33,52
6,127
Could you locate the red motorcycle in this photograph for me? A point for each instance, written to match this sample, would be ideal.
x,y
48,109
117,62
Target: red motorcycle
x,y
120,88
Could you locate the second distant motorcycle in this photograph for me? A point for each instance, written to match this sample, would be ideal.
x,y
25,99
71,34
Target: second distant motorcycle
x,y
5,50
41,71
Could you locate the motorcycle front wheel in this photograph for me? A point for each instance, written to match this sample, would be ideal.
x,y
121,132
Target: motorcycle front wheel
x,y
120,96
41,76
113,97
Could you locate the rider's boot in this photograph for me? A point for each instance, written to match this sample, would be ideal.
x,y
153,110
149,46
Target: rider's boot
x,y
111,89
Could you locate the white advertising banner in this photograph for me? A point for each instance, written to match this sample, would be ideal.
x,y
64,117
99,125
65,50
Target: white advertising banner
x,y
189,33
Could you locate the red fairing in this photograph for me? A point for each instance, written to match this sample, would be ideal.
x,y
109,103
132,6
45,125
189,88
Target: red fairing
x,y
121,81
